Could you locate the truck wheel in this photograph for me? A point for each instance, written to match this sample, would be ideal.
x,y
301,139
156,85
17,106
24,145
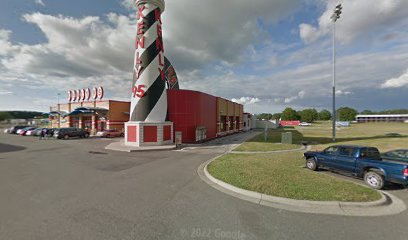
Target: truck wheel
x,y
311,164
374,180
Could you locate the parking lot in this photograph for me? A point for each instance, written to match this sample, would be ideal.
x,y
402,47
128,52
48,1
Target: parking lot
x,y
75,189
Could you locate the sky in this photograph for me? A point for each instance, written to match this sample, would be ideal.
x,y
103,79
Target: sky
x,y
267,55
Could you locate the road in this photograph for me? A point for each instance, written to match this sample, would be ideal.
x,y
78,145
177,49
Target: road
x,y
75,189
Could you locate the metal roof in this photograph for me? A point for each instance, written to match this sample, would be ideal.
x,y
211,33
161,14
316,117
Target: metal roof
x,y
385,115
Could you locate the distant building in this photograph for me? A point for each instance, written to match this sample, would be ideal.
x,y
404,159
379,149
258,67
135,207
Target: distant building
x,y
382,118
249,121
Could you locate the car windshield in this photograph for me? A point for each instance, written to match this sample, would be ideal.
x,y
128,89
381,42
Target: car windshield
x,y
330,150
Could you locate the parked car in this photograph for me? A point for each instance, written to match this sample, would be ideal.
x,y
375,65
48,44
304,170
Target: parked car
x,y
66,133
364,162
31,132
305,124
7,130
110,133
50,131
23,132
37,131
13,130
400,155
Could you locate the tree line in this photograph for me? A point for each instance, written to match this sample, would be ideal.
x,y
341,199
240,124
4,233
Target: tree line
x,y
6,115
311,114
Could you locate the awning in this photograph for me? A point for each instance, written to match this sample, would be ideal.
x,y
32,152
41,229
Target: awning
x,y
55,113
88,110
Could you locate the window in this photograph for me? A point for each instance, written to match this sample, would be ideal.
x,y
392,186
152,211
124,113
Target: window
x,y
331,150
347,151
370,153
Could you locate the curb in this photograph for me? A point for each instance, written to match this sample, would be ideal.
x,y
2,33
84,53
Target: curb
x,y
117,146
387,205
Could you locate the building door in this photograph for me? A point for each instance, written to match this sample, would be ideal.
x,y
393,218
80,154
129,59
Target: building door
x,y
223,127
75,122
101,126
87,122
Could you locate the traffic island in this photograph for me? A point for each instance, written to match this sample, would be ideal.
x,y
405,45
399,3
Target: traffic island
x,y
332,196
122,147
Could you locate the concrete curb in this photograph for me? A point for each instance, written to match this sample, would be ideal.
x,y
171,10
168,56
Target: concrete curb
x,y
119,146
387,205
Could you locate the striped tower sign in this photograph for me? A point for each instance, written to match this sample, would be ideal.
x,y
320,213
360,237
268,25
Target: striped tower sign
x,y
149,97
171,75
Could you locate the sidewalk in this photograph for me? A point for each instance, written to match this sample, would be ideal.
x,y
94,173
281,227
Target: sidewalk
x,y
121,147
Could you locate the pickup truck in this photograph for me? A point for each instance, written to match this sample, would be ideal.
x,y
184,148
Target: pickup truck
x,y
363,162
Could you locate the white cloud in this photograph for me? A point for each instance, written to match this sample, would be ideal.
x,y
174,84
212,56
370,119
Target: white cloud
x,y
5,46
221,32
359,18
308,33
5,93
40,2
246,100
400,81
300,95
343,93
81,48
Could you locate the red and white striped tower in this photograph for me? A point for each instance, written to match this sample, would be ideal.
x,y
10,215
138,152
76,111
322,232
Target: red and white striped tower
x,y
148,111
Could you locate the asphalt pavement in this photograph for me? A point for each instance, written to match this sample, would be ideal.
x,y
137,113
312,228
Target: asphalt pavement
x,y
75,189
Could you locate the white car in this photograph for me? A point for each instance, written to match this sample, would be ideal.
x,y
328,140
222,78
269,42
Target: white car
x,y
30,132
305,124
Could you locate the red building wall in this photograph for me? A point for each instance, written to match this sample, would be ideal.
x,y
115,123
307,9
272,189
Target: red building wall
x,y
191,109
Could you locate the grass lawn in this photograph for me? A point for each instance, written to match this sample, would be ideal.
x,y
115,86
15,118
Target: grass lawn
x,y
273,143
380,135
282,174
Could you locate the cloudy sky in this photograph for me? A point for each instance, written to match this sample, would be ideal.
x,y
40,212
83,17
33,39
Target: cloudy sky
x,y
267,54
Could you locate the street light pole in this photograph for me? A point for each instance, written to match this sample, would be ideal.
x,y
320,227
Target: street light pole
x,y
58,109
334,17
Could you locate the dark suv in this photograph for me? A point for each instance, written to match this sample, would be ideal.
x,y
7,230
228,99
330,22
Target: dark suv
x,y
66,133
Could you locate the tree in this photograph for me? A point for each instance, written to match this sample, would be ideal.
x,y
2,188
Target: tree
x,y
315,114
266,116
308,115
324,115
4,116
276,116
367,112
289,115
346,114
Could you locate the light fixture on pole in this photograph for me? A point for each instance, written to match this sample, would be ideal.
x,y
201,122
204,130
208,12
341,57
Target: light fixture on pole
x,y
334,17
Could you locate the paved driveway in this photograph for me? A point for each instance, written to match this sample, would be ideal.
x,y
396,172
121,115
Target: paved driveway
x,y
77,190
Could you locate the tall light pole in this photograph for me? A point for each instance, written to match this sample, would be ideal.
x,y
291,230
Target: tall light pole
x,y
334,17
58,109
